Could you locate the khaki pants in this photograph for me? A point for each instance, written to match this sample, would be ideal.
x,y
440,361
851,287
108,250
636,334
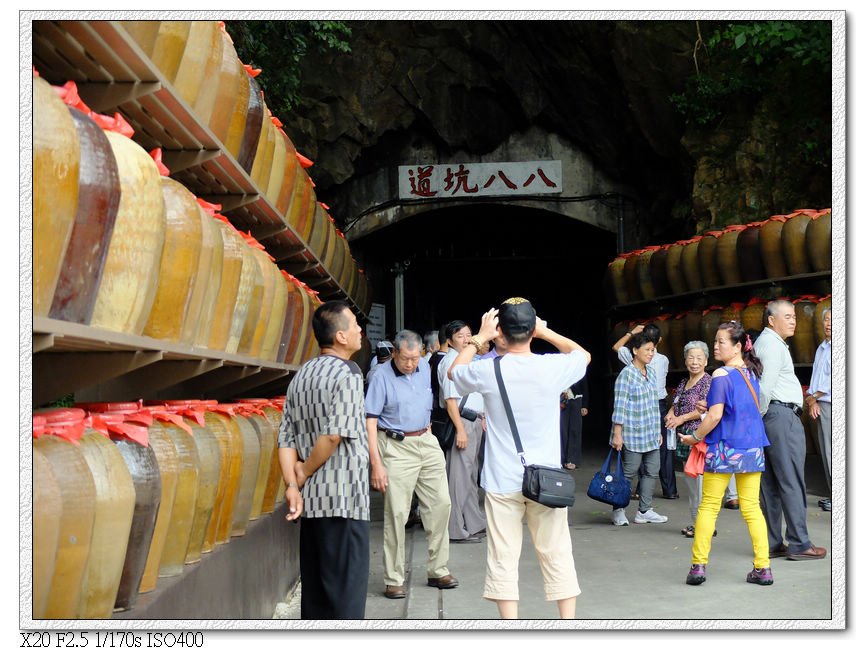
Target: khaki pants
x,y
415,464
550,536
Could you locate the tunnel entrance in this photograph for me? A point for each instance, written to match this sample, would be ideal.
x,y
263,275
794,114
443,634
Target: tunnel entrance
x,y
457,262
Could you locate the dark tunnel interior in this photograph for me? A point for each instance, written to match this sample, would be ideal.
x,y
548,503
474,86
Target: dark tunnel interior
x,y
460,261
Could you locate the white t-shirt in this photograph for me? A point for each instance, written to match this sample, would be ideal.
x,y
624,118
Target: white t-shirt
x,y
659,363
534,384
447,389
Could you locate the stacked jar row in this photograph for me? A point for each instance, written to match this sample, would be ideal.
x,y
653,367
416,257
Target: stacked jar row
x,y
701,325
199,59
781,246
124,495
120,247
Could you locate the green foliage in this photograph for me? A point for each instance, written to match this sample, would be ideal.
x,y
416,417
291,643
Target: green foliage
x,y
707,97
277,47
772,42
785,64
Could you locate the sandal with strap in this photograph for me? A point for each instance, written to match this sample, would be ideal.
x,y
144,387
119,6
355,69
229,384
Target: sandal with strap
x,y
688,531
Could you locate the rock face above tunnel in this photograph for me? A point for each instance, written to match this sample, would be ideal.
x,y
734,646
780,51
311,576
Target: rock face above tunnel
x,y
468,86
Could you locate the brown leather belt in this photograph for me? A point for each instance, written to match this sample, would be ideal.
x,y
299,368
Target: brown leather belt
x,y
418,432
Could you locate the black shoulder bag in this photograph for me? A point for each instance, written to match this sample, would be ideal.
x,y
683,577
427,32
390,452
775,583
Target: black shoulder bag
x,y
549,486
442,427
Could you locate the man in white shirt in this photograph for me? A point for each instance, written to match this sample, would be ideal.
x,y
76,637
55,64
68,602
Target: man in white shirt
x,y
467,523
782,486
818,402
534,383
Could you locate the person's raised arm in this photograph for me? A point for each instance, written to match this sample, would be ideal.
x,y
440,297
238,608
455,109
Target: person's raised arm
x,y
627,337
486,332
561,343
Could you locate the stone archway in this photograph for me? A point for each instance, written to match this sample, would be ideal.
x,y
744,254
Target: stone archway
x,y
585,193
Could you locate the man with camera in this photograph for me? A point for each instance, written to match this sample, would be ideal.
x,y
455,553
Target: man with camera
x,y
533,383
405,457
467,523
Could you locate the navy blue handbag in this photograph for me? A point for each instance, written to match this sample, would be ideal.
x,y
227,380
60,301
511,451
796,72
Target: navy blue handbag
x,y
610,488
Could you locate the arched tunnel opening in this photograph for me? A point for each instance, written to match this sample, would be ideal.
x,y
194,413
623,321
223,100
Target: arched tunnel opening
x,y
457,262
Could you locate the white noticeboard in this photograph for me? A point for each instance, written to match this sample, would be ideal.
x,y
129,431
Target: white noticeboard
x,y
375,327
467,180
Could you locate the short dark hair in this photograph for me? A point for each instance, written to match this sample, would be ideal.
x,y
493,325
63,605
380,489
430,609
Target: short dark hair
x,y
329,319
519,337
653,332
639,340
443,337
453,327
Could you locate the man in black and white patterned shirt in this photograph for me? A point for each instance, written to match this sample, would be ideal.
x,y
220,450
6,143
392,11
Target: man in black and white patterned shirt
x,y
324,456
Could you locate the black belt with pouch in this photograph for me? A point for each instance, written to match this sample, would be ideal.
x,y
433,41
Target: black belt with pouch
x,y
395,434
793,407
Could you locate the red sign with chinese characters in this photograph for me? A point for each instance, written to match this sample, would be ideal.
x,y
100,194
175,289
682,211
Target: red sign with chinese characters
x,y
480,179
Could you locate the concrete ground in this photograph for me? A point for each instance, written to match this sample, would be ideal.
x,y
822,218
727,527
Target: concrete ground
x,y
631,577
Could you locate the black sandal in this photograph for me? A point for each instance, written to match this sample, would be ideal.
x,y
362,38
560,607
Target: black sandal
x,y
688,531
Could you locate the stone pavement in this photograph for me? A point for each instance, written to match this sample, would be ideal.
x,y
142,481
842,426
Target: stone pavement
x,y
629,575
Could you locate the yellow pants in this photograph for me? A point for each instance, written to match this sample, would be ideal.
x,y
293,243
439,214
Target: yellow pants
x,y
714,485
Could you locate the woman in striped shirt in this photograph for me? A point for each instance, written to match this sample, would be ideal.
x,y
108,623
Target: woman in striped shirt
x,y
635,428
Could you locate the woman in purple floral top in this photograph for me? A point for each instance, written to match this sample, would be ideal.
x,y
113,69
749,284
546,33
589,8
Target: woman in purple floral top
x,y
735,438
684,417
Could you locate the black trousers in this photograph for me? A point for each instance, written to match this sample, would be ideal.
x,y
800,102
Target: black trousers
x,y
666,474
334,568
571,421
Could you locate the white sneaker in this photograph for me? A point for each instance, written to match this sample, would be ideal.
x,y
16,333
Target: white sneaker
x,y
649,517
619,517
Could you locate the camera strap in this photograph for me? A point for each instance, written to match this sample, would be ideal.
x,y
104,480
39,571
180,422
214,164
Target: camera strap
x,y
507,403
